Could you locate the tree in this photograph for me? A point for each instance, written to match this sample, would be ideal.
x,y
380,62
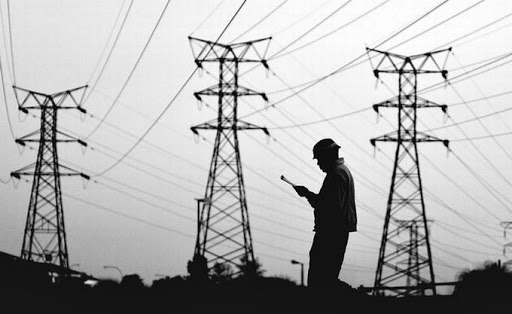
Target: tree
x,y
221,272
198,268
132,282
490,282
250,269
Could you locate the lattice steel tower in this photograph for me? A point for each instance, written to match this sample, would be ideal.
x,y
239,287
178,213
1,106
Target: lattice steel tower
x,y
405,258
45,235
224,234
507,225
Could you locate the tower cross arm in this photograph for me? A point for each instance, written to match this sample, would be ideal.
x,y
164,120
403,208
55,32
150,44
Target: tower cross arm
x,y
30,171
389,62
240,125
389,137
28,99
420,138
253,51
396,101
226,89
423,137
210,125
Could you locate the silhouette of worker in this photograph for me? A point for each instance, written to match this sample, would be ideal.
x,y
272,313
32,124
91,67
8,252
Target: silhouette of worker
x,y
335,216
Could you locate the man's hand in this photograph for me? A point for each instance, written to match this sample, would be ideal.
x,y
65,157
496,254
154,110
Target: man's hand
x,y
301,190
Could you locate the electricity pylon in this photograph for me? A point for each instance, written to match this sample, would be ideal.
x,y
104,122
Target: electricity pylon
x,y
405,265
44,239
224,234
507,225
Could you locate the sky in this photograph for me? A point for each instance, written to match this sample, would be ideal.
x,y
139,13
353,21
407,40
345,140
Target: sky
x,y
137,212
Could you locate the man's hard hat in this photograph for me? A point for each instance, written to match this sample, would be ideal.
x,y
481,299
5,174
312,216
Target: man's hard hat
x,y
324,145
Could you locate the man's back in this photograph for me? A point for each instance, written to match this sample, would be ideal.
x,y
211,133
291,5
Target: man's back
x,y
335,210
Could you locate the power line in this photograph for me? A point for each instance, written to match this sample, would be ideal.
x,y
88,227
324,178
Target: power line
x,y
449,227
453,211
302,18
180,205
482,98
487,100
465,75
8,115
475,118
167,106
474,31
302,143
261,20
347,66
350,64
176,231
165,228
161,150
438,24
276,56
344,115
128,78
6,45
10,41
311,29
173,175
140,169
500,174
485,184
463,191
207,17
481,137
107,59
478,178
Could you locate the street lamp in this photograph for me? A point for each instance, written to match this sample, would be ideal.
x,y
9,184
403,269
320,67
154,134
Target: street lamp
x,y
114,267
294,262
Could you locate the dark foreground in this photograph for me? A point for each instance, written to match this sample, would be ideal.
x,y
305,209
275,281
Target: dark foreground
x,y
238,298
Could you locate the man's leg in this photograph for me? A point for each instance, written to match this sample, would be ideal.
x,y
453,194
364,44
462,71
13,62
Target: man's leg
x,y
340,257
341,248
325,259
313,261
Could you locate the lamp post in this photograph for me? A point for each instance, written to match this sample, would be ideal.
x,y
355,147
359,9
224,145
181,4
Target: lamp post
x,y
116,268
294,262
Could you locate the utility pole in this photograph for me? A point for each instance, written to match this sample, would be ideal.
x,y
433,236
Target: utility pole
x,y
224,234
44,239
406,263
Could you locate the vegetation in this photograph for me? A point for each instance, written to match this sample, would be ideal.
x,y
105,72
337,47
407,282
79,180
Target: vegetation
x,y
490,283
246,289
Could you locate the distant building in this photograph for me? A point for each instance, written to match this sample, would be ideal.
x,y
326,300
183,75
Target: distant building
x,y
16,272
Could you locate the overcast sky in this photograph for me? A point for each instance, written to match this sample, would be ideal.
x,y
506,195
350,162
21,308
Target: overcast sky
x,y
139,214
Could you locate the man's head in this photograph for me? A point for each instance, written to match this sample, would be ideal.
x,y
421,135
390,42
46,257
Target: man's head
x,y
325,152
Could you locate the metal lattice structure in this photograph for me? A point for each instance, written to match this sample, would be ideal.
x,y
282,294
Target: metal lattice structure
x,y
507,246
405,258
44,239
224,234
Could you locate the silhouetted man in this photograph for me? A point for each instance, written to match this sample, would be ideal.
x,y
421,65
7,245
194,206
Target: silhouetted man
x,y
335,216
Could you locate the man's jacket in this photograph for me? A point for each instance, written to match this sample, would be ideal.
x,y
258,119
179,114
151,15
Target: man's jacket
x,y
334,206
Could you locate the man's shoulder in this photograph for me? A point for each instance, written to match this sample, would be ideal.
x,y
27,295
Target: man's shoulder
x,y
341,167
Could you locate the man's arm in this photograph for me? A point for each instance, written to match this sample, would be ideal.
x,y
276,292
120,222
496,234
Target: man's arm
x,y
302,191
